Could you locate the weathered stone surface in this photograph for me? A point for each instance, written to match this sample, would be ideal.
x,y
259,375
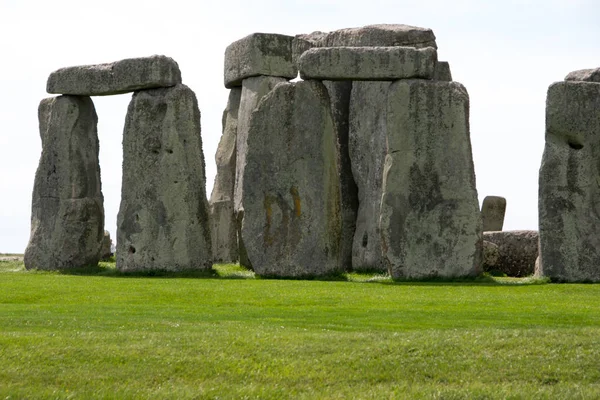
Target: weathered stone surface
x,y
291,195
366,36
430,220
257,54
367,63
367,145
67,213
339,95
491,255
106,251
118,77
492,213
442,71
253,90
163,221
224,236
569,210
517,252
584,75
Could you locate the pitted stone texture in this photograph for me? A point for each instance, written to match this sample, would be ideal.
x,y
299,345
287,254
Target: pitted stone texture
x,y
442,71
106,251
367,63
430,219
339,95
584,75
163,221
224,236
67,213
292,221
382,35
569,209
367,144
258,54
517,252
253,90
492,213
115,78
491,255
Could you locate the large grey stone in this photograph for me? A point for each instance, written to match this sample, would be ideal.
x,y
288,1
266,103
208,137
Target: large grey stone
x,y
118,77
492,213
430,220
106,251
367,144
292,222
442,71
367,63
257,54
366,36
163,221
517,252
569,188
253,90
67,213
339,95
224,236
584,75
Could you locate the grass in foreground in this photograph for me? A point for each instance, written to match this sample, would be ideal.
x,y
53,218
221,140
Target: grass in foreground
x,y
104,335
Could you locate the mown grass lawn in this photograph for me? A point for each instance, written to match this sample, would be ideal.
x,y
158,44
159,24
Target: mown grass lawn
x,y
104,335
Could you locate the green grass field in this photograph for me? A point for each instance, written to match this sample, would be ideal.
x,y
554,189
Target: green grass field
x,y
99,334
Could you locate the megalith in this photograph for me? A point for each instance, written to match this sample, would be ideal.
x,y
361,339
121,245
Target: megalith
x,y
292,222
517,252
67,222
569,190
442,71
223,226
492,213
367,147
163,221
584,75
430,219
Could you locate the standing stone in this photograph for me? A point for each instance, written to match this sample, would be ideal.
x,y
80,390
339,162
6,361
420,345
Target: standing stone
x,y
430,220
163,219
492,213
106,252
517,252
258,54
339,95
367,145
253,90
569,184
223,226
442,71
291,194
67,213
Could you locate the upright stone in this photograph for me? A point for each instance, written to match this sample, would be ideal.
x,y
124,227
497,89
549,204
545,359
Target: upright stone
x,y
163,219
291,194
118,77
442,71
569,190
367,145
430,220
258,54
253,90
223,226
67,213
106,252
492,213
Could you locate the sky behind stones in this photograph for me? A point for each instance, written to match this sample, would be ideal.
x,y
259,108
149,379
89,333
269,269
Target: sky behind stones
x,y
505,52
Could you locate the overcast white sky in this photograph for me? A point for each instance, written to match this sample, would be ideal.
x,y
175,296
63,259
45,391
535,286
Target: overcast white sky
x,y
505,52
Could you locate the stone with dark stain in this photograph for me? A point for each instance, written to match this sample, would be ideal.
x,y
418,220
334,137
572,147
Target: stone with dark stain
x,y
492,213
516,252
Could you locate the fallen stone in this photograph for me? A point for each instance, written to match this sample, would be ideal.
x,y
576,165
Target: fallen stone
x,y
569,213
253,90
106,252
442,71
367,63
517,252
367,145
292,222
430,220
115,78
492,213
258,54
491,256
224,236
163,221
584,75
67,213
